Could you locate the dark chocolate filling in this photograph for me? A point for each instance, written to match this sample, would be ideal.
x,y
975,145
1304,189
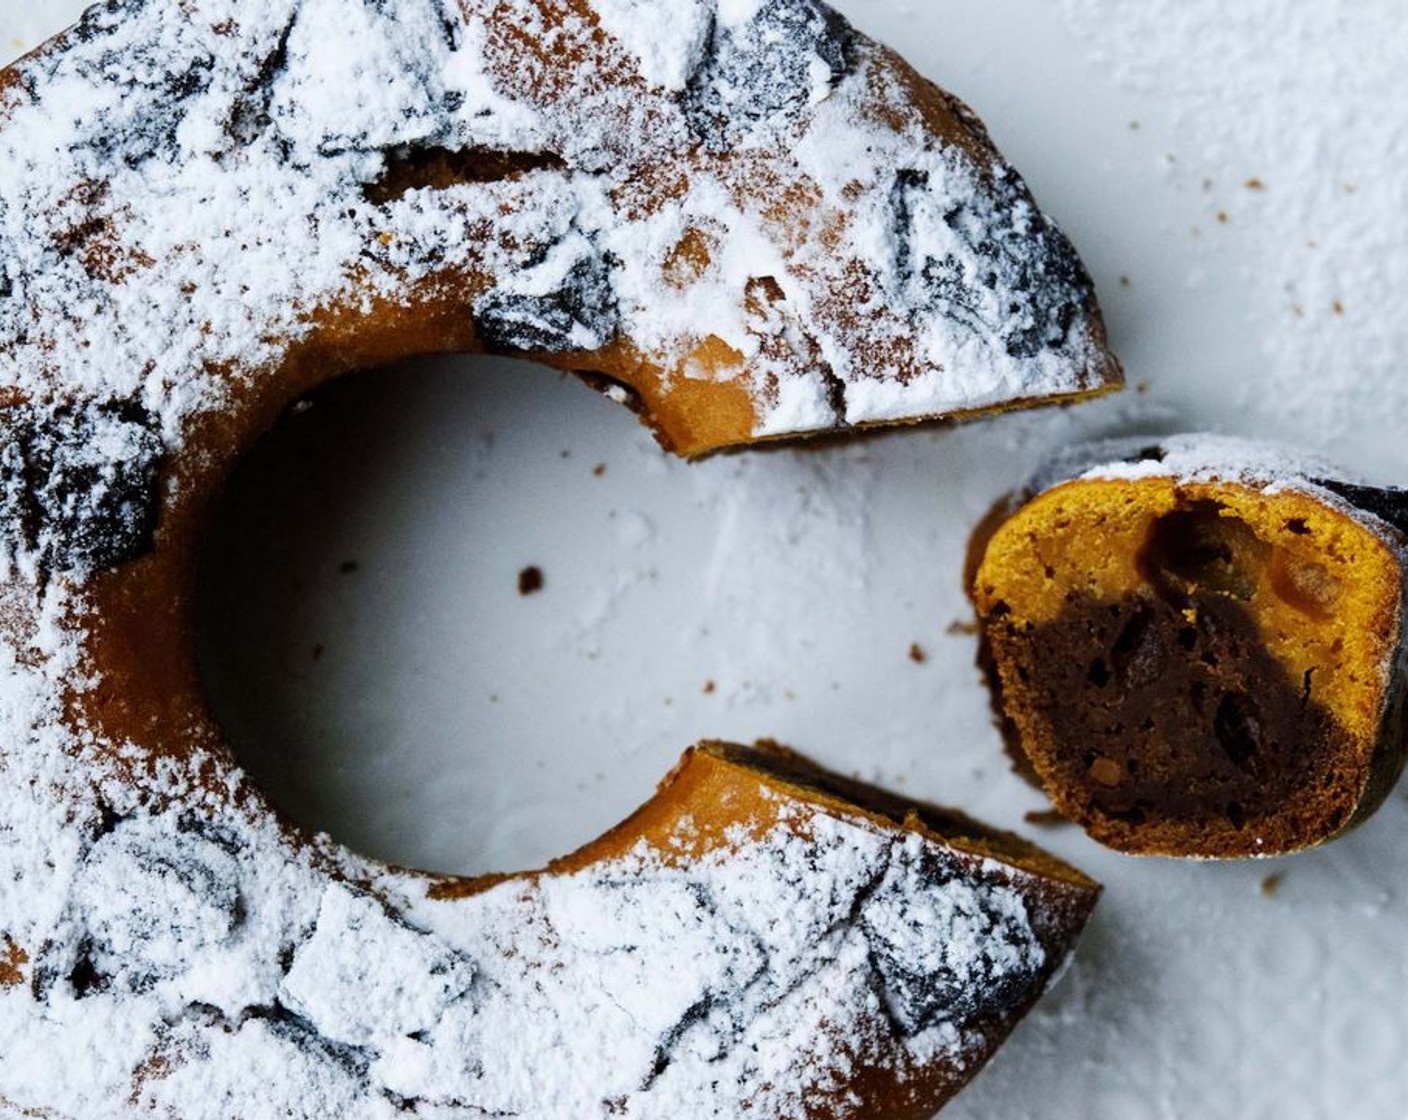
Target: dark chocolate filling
x,y
1167,708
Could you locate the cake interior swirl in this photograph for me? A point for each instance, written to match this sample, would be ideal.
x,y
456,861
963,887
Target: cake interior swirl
x,y
1196,666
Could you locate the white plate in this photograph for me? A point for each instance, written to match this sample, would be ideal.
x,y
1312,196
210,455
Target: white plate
x,y
450,723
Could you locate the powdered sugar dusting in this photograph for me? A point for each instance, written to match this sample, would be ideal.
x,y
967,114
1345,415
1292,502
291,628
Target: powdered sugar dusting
x,y
192,960
1288,120
188,182
666,41
185,185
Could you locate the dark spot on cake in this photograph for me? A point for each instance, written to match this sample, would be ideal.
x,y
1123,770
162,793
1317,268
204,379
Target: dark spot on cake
x,y
917,653
921,936
79,485
764,72
434,168
530,580
1014,277
84,979
104,18
289,1025
1271,885
180,893
158,80
1137,656
578,313
1237,727
1152,453
249,117
664,1053
1198,548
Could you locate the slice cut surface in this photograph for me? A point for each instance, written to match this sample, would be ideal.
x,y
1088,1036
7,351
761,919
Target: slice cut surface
x,y
1195,662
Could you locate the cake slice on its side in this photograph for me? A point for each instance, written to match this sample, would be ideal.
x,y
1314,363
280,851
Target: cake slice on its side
x,y
1197,645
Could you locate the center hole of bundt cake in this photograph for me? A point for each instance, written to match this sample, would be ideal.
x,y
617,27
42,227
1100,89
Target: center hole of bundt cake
x,y
414,602
1168,706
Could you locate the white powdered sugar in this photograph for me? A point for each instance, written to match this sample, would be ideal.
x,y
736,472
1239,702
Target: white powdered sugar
x,y
195,962
1289,121
182,186
185,184
667,41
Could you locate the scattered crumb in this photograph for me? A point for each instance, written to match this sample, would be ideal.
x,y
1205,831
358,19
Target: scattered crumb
x,y
347,567
530,580
1222,217
1141,387
917,653
788,694
962,627
567,454
710,688
1350,188
1272,883
1207,185
599,469
1045,818
1337,307
318,650
1134,126
1125,281
1254,184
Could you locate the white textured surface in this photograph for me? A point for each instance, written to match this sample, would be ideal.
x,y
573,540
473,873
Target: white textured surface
x,y
449,722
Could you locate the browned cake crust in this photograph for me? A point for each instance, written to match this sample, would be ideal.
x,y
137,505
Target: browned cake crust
x,y
1196,645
